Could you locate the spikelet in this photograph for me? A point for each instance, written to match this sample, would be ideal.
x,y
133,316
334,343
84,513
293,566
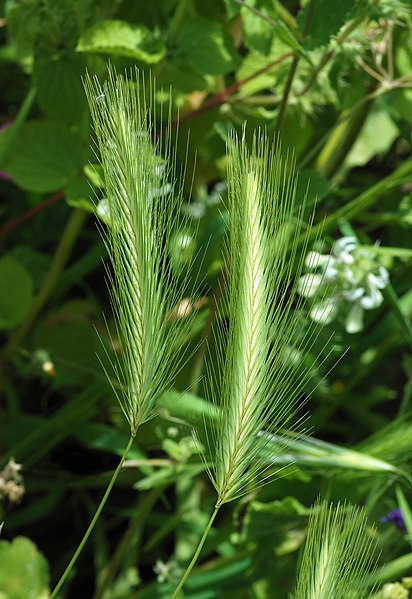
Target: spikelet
x,y
339,554
143,212
261,380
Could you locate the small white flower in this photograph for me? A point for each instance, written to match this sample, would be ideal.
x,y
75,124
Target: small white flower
x,y
354,320
324,312
309,284
315,259
349,275
167,571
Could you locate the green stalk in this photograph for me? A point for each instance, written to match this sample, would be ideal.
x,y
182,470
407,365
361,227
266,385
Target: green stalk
x,y
286,91
93,522
196,554
130,535
293,69
66,243
285,16
364,200
342,139
404,323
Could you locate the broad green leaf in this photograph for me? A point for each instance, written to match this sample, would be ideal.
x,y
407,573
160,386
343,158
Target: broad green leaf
x,y
206,46
16,288
23,570
50,27
325,21
59,87
266,518
183,77
123,39
252,63
78,193
69,335
106,438
376,137
23,23
44,156
313,185
259,33
34,262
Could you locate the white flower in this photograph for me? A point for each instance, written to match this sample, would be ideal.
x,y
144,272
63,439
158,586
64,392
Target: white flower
x,y
167,571
349,275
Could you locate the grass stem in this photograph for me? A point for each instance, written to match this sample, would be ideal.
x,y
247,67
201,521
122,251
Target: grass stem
x,y
133,531
92,523
196,554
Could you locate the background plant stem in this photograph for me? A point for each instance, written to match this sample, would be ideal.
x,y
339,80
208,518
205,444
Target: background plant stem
x,y
366,199
60,257
342,139
293,67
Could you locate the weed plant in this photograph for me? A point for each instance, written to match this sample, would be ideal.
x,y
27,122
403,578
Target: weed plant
x,y
237,421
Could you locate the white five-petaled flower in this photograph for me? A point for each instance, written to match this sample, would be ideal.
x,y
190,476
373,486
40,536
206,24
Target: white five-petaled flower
x,y
350,274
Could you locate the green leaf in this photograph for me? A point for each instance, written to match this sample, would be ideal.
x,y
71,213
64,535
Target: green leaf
x,y
78,194
24,24
376,137
258,33
120,38
313,185
69,335
24,570
106,438
183,77
34,262
44,156
266,518
326,20
206,46
16,288
168,475
59,87
405,510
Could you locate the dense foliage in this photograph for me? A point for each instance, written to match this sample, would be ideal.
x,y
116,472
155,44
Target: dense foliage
x,y
333,80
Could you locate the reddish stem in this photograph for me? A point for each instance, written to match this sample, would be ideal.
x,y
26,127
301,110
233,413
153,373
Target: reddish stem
x,y
220,97
15,222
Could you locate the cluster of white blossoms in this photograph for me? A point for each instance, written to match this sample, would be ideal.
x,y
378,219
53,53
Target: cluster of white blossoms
x,y
351,275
